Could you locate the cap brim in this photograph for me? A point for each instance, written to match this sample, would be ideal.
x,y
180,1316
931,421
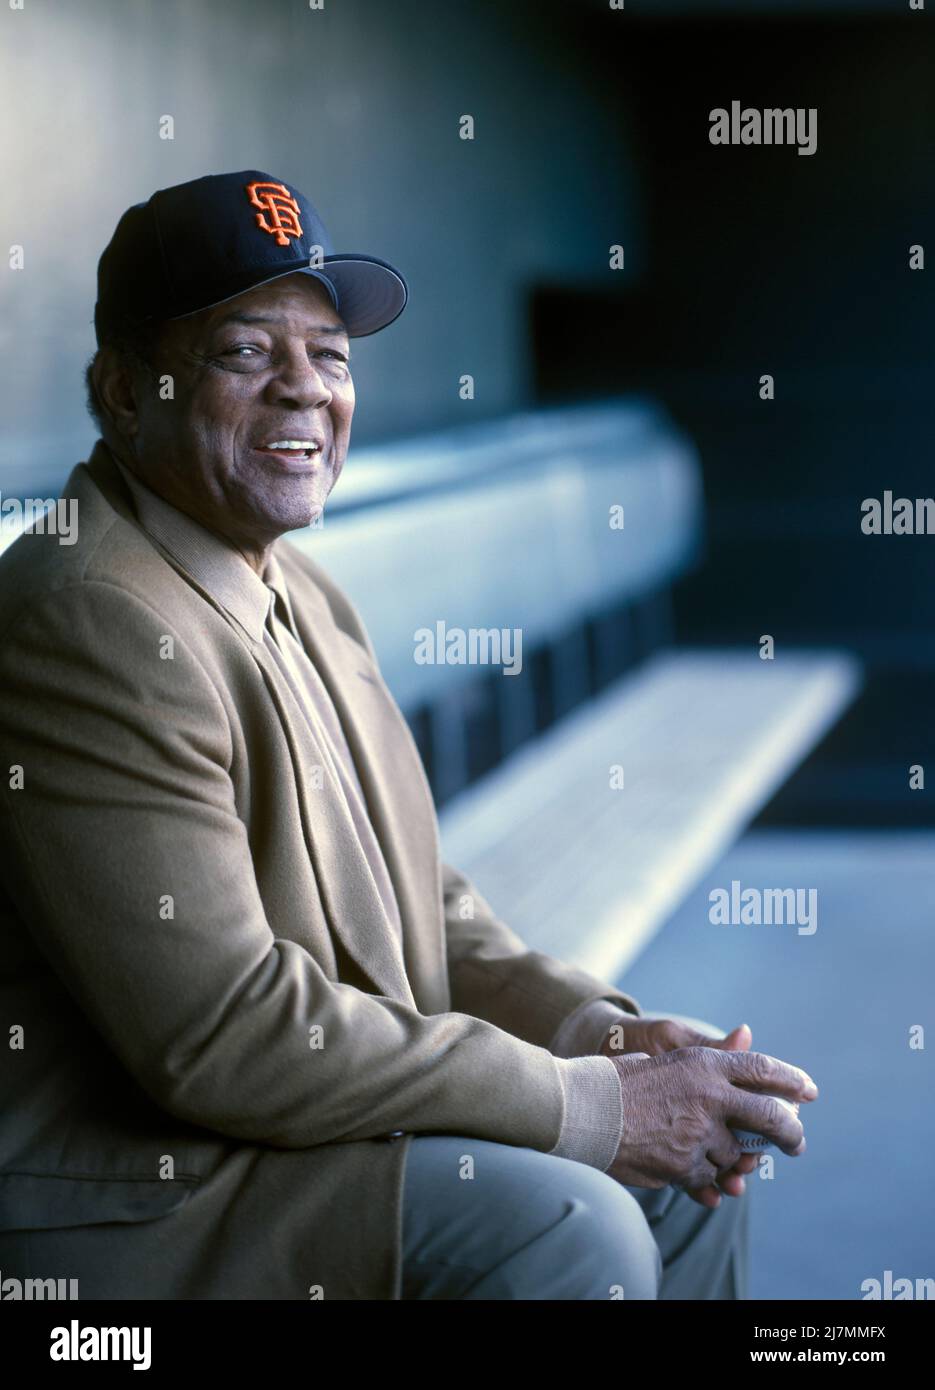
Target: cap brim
x,y
368,294
371,293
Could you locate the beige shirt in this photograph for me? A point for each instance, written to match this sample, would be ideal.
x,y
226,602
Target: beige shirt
x,y
593,1118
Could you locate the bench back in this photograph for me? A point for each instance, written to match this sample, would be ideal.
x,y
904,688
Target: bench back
x,y
506,526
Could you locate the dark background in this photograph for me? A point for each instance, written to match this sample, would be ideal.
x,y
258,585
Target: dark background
x,y
759,260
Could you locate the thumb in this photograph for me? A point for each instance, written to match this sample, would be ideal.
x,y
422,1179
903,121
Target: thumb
x,y
737,1040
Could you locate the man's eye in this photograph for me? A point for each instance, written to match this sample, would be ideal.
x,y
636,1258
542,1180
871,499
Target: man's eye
x,y
247,352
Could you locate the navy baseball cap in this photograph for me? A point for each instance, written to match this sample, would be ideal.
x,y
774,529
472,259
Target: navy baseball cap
x,y
198,244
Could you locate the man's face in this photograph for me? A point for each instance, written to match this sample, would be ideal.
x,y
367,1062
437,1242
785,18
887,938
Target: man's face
x,y
269,367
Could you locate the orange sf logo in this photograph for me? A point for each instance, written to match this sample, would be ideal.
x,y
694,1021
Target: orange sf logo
x,y
275,201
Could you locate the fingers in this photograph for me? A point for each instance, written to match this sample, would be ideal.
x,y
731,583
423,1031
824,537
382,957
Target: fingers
x,y
704,1196
759,1072
731,1184
767,1116
724,1151
668,1034
737,1040
702,1173
731,1164
673,1034
745,1165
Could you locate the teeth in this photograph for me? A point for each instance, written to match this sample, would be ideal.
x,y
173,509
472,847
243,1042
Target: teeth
x,y
292,444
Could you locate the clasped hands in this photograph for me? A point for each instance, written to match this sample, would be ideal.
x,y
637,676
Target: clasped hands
x,y
682,1091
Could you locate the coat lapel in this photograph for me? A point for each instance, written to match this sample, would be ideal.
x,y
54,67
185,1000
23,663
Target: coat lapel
x,y
349,894
399,801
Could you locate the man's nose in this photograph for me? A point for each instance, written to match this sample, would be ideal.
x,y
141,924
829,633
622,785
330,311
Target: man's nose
x,y
300,380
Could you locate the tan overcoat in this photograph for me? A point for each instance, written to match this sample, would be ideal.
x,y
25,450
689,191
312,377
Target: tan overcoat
x,y
211,1030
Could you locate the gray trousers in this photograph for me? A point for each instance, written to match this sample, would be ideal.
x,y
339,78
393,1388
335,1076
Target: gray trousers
x,y
483,1220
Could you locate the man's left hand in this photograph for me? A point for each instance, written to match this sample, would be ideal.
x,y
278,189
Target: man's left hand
x,y
655,1035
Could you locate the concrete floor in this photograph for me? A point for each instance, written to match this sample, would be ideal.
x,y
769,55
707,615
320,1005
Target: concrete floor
x,y
839,1003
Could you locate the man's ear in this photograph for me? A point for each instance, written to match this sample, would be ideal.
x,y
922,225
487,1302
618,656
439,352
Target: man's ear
x,y
114,382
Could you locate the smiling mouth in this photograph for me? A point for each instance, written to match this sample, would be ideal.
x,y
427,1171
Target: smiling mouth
x,y
292,450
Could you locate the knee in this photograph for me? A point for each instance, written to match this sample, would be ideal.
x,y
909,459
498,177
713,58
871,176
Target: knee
x,y
531,1226
605,1238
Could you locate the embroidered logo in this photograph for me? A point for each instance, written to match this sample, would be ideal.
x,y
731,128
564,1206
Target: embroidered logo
x,y
275,202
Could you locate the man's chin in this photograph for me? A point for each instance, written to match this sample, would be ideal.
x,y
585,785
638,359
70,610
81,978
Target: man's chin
x,y
296,519
292,507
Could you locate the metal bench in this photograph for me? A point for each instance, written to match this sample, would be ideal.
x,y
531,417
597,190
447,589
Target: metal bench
x,y
586,870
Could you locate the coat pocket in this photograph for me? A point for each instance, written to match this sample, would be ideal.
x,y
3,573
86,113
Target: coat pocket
x,y
31,1201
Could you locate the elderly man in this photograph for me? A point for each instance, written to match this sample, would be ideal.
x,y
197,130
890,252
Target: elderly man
x,y
263,1043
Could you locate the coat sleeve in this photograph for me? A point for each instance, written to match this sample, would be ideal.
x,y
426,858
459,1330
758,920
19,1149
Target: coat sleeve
x,y
127,861
494,975
584,1030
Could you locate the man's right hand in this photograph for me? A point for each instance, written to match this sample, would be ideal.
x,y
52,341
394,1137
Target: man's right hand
x,y
679,1108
